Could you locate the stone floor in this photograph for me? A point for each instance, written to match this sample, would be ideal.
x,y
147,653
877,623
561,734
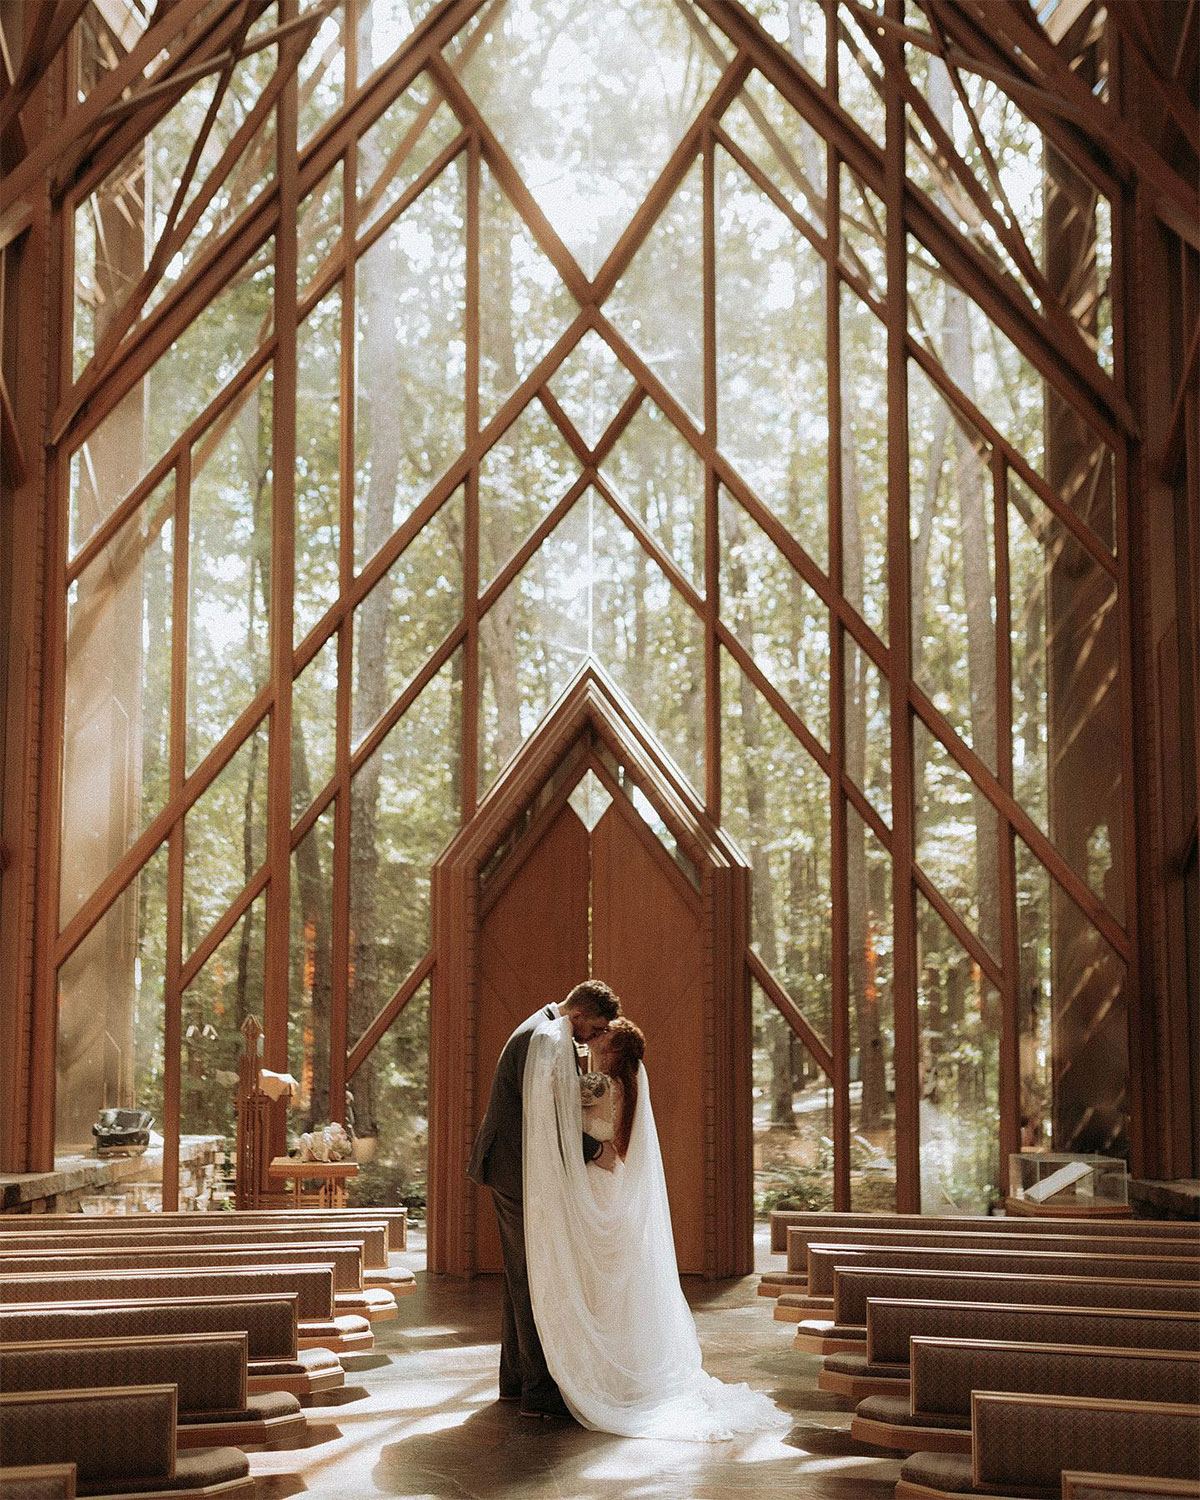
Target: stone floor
x,y
419,1418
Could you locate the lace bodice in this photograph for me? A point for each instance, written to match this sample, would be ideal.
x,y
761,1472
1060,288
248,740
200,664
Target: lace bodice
x,y
599,1094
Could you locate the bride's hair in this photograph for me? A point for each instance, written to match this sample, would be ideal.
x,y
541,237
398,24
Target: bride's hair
x,y
627,1047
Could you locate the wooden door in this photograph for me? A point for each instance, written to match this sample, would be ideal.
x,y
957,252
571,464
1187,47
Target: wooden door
x,y
648,942
533,947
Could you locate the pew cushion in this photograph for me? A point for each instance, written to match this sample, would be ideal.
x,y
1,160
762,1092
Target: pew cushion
x,y
195,1469
951,1474
859,1367
307,1362
894,1410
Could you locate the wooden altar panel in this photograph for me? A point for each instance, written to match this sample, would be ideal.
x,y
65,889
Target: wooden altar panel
x,y
648,942
533,946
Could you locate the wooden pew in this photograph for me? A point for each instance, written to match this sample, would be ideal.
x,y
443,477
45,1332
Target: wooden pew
x,y
1022,1444
378,1271
782,1219
351,1296
1081,1486
142,1229
80,1427
38,1482
883,1368
823,1260
268,1320
846,1331
1098,1243
396,1219
936,1414
214,1408
312,1286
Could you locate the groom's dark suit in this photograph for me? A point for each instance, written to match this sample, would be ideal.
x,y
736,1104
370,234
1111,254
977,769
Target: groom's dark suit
x,y
496,1163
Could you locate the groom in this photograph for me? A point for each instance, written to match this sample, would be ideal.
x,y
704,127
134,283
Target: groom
x,y
496,1163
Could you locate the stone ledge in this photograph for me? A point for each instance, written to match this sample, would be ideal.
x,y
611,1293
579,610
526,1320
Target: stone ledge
x,y
74,1176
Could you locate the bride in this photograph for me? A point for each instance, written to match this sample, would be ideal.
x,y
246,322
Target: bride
x,y
618,1335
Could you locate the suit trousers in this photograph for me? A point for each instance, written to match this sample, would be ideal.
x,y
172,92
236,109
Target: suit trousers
x,y
522,1363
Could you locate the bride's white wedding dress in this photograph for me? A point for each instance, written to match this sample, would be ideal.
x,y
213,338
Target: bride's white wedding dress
x,y
617,1332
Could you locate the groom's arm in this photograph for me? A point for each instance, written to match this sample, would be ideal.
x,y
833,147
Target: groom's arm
x,y
591,1147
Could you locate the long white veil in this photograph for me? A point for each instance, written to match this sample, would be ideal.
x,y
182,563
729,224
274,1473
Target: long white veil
x,y
617,1332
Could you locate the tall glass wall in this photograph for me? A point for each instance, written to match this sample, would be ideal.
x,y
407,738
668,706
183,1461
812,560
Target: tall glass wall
x,y
561,334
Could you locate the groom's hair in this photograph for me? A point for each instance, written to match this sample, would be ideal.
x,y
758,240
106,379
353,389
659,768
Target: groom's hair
x,y
595,998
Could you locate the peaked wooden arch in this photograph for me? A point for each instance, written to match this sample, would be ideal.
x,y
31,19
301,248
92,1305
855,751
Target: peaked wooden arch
x,y
593,726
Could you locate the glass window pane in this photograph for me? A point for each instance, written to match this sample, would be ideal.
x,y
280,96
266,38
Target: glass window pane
x,y
229,561
1062,220
771,386
383,25
314,724
658,474
227,989
400,623
783,144
793,1116
989,369
404,806
322,75
860,78
868,728
953,568
648,639
225,839
318,463
117,701
799,25
523,306
864,233
396,149
522,476
872,1020
958,832
591,386
310,991
411,363
391,1111
1074,1022
318,229
589,101
658,303
773,417
959,1017
110,1013
1067,729
201,361
533,640
777,807
864,461
781,622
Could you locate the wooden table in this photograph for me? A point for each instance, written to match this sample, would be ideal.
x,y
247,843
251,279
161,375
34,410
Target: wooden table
x,y
332,1175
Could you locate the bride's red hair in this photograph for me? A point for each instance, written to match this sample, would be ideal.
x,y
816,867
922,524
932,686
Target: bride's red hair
x,y
626,1048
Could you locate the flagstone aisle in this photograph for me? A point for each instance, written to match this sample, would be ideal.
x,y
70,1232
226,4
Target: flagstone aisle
x,y
419,1418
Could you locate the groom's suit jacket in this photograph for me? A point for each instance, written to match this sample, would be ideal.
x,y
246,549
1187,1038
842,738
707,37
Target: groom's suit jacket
x,y
496,1157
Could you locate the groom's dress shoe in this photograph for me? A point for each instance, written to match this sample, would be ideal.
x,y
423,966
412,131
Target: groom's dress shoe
x,y
548,1411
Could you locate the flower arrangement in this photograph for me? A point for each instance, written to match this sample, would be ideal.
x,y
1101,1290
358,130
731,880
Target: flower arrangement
x,y
324,1143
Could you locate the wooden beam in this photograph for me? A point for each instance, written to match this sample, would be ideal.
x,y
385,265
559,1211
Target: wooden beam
x,y
791,1013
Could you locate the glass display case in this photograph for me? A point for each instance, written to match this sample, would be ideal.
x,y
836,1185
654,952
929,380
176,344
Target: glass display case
x,y
1061,1183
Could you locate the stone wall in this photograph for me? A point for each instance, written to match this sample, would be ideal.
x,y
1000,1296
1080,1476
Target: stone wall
x,y
129,1183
